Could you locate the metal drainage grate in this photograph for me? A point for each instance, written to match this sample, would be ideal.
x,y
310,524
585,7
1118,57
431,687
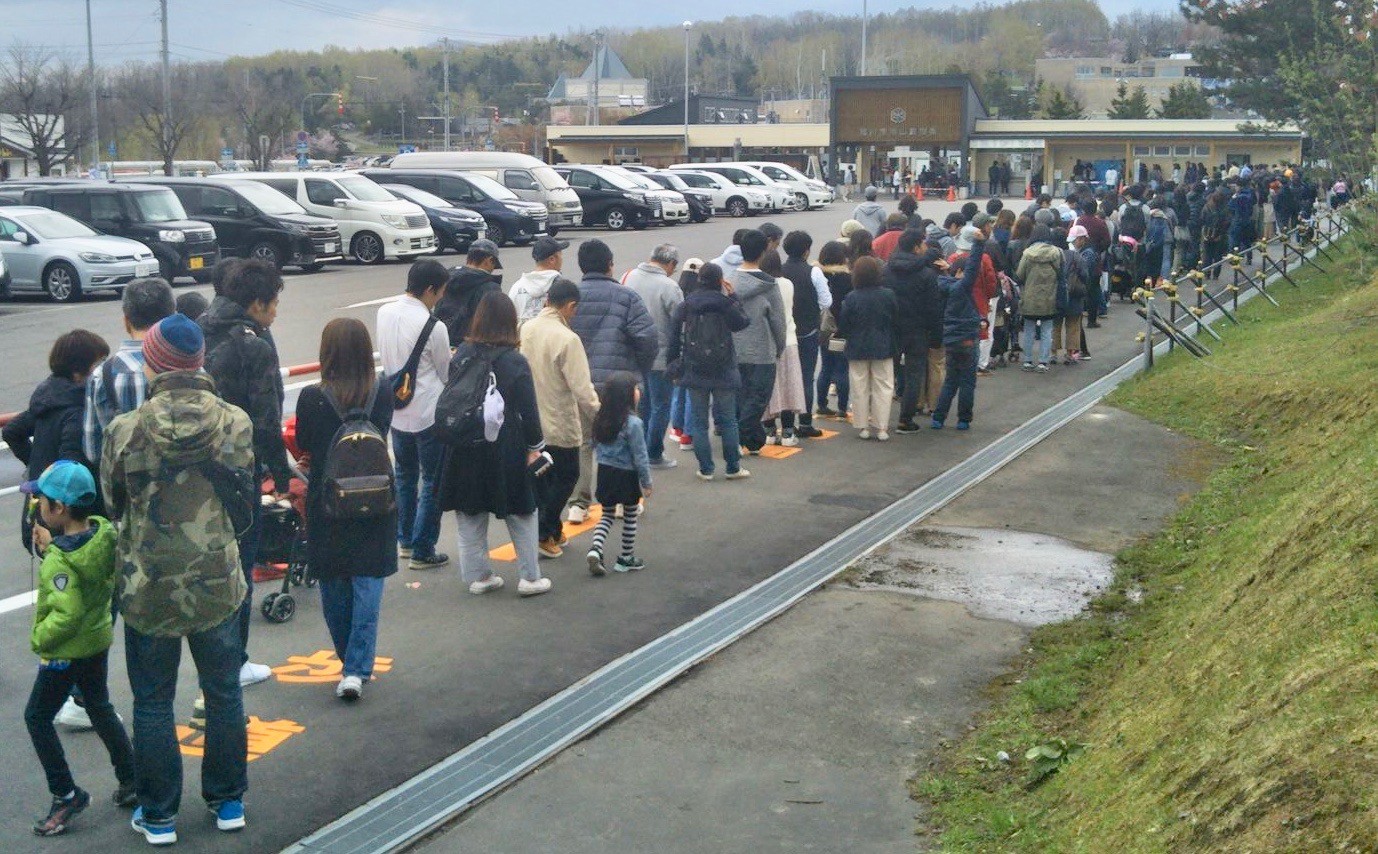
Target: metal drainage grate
x,y
404,814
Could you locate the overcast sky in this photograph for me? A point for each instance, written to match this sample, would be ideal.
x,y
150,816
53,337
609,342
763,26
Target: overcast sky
x,y
202,29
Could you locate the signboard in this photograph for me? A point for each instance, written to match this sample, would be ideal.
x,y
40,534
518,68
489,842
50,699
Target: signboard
x,y
406,148
303,147
302,162
301,136
916,117
227,154
111,149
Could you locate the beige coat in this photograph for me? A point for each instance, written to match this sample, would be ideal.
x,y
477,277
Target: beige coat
x,y
560,370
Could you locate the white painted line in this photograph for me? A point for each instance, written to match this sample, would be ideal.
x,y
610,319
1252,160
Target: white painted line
x,y
9,490
14,603
393,298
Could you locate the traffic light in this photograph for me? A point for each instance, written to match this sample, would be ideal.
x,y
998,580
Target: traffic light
x,y
495,115
339,100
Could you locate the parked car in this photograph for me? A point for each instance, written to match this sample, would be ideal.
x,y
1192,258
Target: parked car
x,y
4,277
726,196
700,201
254,221
151,215
808,192
674,208
455,228
523,174
611,199
507,218
781,197
374,224
48,251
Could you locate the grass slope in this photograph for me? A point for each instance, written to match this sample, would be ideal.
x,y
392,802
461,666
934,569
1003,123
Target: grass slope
x,y
1226,685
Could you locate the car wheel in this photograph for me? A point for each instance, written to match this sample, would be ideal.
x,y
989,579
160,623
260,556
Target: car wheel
x,y
61,282
737,207
267,251
367,248
167,271
801,201
616,219
552,231
496,234
312,268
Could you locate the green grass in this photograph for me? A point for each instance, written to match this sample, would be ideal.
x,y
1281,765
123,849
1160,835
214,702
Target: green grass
x,y
1233,706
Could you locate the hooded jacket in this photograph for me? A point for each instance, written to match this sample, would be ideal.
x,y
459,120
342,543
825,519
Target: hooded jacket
x,y
1040,269
871,215
456,308
662,296
763,340
700,302
918,302
50,429
961,322
75,584
729,260
242,360
867,322
617,331
529,292
176,554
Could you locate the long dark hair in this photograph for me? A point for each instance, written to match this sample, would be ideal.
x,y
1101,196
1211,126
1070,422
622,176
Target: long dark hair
x,y
616,399
495,321
347,361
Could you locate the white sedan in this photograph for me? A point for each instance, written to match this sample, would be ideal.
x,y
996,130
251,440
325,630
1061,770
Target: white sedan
x,y
50,252
727,197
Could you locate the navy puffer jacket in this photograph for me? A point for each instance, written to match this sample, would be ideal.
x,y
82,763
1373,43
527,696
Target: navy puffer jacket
x,y
617,331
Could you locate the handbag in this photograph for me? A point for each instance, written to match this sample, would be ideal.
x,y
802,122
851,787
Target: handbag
x,y
827,330
404,381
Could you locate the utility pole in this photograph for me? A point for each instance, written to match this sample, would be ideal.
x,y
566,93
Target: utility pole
x,y
91,72
446,110
597,72
688,25
864,16
167,96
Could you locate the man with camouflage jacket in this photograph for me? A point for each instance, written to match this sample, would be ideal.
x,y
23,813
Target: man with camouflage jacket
x,y
171,472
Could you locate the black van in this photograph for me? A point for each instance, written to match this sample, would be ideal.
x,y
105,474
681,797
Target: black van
x,y
507,218
151,215
254,221
610,199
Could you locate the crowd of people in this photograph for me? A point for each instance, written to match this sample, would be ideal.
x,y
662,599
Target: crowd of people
x,y
544,406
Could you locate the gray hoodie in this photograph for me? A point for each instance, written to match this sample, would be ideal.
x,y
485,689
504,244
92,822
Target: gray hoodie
x,y
662,296
763,340
528,293
729,260
872,216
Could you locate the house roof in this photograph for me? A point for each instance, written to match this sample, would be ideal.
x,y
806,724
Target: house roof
x,y
609,65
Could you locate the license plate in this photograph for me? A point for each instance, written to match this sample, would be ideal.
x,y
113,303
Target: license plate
x,y
327,249
482,234
142,270
196,263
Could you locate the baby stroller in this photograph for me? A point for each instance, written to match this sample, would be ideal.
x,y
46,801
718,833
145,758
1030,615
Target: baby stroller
x,y
282,543
1122,258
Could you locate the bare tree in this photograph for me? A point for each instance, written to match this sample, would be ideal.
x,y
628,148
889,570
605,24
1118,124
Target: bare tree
x,y
141,87
256,98
41,92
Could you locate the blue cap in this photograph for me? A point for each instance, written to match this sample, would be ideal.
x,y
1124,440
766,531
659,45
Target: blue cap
x,y
65,481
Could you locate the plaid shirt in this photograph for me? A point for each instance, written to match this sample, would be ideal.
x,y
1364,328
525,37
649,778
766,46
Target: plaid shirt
x,y
125,369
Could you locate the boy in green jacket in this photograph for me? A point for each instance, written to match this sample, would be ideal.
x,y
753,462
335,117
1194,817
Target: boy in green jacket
x,y
72,633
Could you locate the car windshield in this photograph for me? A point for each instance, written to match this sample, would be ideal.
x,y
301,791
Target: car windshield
x,y
55,226
364,190
421,197
490,188
549,178
158,206
619,180
641,181
267,199
743,177
671,180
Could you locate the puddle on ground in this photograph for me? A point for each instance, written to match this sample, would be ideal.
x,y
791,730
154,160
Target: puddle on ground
x,y
1030,579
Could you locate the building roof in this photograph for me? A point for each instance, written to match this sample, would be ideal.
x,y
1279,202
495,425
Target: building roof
x,y
673,112
559,91
1130,128
11,134
609,65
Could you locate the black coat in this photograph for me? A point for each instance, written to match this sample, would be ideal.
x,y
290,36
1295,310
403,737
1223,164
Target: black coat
x,y
918,301
867,322
50,429
706,301
456,308
241,358
340,549
492,477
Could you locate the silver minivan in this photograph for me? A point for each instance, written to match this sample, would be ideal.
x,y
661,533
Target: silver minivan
x,y
523,174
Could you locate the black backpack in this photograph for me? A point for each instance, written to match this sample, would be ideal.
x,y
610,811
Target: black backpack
x,y
708,343
470,409
1133,222
358,474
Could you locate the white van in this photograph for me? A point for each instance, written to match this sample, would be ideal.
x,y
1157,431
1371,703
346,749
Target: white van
x,y
808,192
523,174
374,224
749,177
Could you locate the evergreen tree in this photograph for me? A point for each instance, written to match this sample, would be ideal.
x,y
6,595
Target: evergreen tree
x,y
1185,101
1062,105
1129,104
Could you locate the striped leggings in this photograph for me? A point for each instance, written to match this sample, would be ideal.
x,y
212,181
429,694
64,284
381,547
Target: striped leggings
x,y
630,512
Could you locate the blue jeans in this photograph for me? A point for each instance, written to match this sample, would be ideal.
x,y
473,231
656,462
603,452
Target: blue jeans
x,y
679,409
350,607
724,408
959,382
808,365
655,412
152,664
1043,331
834,372
418,512
248,556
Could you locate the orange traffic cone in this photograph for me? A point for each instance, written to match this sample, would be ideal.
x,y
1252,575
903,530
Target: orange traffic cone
x,y
1028,192
952,193
918,193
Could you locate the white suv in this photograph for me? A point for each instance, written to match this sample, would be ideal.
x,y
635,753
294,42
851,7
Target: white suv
x,y
749,177
807,192
726,196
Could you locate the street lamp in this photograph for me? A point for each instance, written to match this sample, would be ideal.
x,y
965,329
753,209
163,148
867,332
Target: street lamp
x,y
688,25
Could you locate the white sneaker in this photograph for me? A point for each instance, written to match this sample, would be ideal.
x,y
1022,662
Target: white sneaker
x,y
790,441
883,436
772,439
864,434
252,674
73,716
533,588
739,474
350,688
492,582
577,515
